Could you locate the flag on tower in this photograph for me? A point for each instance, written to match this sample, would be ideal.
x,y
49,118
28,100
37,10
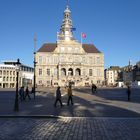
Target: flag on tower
x,y
73,29
83,35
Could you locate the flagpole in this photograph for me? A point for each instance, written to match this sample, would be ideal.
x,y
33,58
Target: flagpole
x,y
57,36
81,39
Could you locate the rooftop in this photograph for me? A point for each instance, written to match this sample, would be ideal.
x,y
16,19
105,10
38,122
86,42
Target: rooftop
x,y
50,47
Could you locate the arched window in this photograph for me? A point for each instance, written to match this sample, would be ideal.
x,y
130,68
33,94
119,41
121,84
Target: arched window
x,y
63,72
70,71
77,72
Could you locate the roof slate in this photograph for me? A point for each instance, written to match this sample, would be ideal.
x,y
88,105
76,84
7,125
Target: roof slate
x,y
50,47
90,48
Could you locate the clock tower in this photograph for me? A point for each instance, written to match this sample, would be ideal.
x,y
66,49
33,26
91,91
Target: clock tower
x,y
66,30
68,61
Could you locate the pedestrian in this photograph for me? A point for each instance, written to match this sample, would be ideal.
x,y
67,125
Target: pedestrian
x,y
27,93
94,88
21,93
69,91
58,97
128,92
32,91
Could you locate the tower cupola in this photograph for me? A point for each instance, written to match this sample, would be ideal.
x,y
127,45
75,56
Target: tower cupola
x,y
66,32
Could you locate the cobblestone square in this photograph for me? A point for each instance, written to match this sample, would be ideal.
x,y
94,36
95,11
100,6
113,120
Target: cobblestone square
x,y
105,115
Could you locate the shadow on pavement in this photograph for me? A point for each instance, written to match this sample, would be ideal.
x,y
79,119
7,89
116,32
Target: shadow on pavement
x,y
44,105
119,95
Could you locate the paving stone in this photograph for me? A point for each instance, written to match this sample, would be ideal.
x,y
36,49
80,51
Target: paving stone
x,y
53,129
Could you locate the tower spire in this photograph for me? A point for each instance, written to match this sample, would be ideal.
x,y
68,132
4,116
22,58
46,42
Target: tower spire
x,y
68,2
66,30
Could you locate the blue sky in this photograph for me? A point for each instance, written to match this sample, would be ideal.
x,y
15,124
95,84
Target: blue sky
x,y
113,26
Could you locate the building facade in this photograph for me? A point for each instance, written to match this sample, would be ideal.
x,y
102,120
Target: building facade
x,y
128,74
68,61
113,75
8,75
136,72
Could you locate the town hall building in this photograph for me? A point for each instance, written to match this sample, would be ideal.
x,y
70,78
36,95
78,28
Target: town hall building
x,y
68,61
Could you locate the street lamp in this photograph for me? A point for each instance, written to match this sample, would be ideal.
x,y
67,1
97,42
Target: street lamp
x,y
34,87
16,107
52,81
34,75
57,71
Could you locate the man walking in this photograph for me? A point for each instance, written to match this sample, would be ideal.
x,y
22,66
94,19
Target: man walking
x,y
58,97
128,92
69,91
27,93
94,88
21,93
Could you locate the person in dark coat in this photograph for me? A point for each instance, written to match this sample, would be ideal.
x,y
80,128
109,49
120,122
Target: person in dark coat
x,y
27,93
21,93
94,88
128,92
58,97
32,91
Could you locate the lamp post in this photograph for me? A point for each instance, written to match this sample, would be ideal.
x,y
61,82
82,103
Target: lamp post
x,y
34,75
52,81
57,71
16,107
34,87
34,65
